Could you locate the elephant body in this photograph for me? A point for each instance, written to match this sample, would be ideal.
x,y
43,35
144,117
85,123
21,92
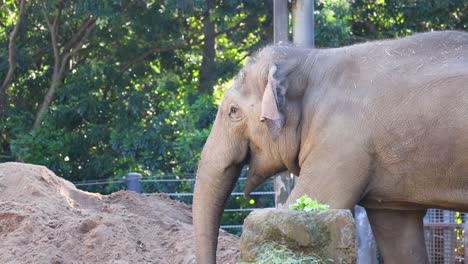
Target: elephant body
x,y
381,124
403,106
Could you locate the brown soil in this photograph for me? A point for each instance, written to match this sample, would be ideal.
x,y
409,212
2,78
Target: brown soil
x,y
45,219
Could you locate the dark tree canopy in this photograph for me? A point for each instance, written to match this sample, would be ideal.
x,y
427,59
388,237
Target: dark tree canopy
x,y
93,89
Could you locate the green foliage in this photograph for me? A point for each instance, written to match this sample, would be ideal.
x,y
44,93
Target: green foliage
x,y
394,18
305,203
333,23
31,147
274,253
129,99
460,233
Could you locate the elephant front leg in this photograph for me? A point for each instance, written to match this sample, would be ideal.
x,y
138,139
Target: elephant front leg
x,y
334,175
399,235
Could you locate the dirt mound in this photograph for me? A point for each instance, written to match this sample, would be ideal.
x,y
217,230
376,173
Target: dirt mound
x,y
45,219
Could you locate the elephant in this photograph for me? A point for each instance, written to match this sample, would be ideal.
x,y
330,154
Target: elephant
x,y
382,124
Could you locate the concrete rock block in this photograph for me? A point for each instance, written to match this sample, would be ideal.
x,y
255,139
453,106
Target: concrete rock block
x,y
329,234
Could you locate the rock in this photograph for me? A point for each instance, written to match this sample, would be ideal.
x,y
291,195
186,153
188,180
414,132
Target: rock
x,y
329,234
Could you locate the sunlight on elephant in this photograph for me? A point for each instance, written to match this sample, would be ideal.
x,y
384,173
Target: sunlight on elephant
x,y
381,124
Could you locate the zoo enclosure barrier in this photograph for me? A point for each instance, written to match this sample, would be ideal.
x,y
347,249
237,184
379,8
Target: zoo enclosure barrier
x,y
135,182
445,231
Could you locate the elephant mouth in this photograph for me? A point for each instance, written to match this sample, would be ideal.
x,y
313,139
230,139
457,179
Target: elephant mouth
x,y
253,181
247,158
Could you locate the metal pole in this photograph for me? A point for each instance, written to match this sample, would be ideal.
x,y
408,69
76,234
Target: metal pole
x,y
283,185
133,182
282,181
303,22
280,21
367,247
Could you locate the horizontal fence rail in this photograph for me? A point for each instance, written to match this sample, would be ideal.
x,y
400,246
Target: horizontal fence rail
x,y
232,194
97,183
181,194
231,227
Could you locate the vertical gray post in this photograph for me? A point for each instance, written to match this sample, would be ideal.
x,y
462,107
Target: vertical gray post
x,y
280,21
280,35
133,182
303,22
283,183
367,247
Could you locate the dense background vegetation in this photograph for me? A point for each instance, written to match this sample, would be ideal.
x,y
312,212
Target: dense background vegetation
x,y
94,89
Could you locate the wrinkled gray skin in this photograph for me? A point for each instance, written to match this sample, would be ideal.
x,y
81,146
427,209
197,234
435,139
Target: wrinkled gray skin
x,y
380,124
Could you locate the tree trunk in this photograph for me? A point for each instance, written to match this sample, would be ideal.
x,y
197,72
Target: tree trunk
x,y
56,80
207,76
61,59
11,58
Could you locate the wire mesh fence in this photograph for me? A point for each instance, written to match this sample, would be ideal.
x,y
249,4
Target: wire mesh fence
x,y
446,239
446,236
236,209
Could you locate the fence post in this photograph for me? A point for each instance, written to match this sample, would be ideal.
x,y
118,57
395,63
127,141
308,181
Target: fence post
x,y
133,182
367,247
303,22
280,21
283,183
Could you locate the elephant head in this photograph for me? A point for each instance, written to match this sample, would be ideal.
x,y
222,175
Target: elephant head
x,y
258,123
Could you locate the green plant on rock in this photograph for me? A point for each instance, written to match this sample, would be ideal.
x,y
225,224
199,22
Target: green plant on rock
x,y
274,253
305,203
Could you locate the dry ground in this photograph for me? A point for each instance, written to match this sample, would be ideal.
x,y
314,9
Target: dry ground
x,y
45,219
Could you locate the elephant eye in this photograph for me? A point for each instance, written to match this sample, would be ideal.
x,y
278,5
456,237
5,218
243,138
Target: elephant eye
x,y
235,113
233,110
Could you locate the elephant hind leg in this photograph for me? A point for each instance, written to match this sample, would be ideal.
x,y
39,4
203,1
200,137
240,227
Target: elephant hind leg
x,y
399,235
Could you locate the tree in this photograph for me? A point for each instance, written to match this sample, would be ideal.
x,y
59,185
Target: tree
x,y
62,52
103,87
107,87
207,78
11,57
392,18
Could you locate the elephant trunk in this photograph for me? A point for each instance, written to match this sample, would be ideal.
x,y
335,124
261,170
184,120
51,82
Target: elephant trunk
x,y
211,192
218,171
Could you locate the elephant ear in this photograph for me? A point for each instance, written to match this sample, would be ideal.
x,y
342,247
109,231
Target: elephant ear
x,y
273,101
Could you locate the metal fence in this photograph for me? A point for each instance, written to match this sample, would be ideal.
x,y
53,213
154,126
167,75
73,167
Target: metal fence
x,y
446,239
446,236
182,189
